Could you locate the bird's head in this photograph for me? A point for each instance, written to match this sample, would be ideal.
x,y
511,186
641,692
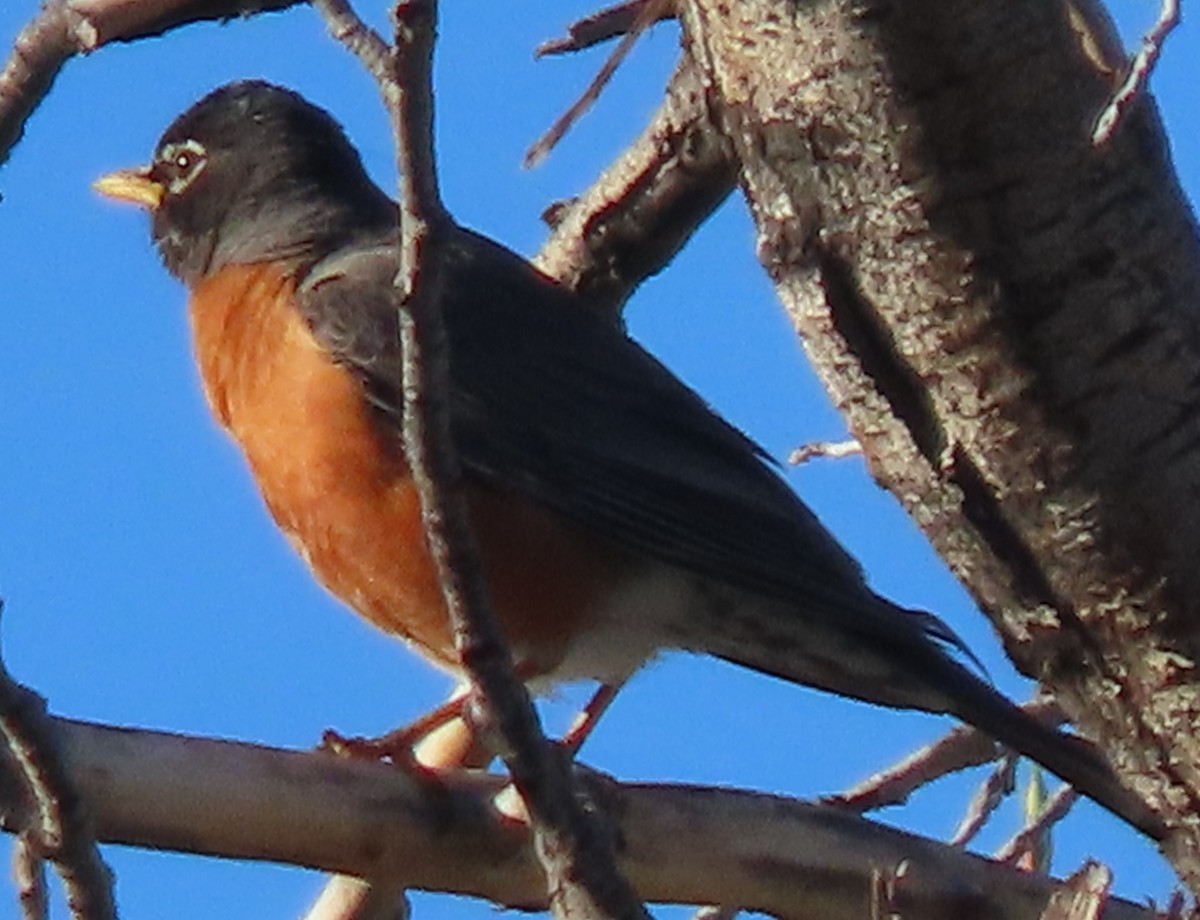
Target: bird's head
x,y
252,172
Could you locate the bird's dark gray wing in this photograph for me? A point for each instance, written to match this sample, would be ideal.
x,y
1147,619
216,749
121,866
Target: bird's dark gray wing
x,y
551,402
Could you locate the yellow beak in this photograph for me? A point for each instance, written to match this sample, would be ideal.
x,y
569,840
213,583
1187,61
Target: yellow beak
x,y
132,185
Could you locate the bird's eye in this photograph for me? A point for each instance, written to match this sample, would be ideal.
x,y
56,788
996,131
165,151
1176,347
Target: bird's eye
x,y
180,163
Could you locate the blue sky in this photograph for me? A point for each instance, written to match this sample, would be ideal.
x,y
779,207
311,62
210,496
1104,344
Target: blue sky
x,y
146,586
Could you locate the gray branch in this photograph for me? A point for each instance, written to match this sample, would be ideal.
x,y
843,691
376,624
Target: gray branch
x,y
679,844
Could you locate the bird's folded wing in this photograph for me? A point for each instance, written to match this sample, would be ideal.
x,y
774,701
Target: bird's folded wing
x,y
551,402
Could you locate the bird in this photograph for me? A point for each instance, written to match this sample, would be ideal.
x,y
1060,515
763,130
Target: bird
x,y
617,515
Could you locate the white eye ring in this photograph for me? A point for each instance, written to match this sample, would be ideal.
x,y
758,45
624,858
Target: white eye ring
x,y
185,160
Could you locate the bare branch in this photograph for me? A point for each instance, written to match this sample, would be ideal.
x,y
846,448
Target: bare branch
x,y
647,13
958,749
1140,69
38,54
679,844
939,259
638,215
1030,838
999,784
348,898
103,21
580,868
54,825
581,872
1176,907
1085,896
29,876
359,38
603,25
64,28
836,450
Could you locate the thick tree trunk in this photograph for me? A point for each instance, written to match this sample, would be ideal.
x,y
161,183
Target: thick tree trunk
x,y
1005,315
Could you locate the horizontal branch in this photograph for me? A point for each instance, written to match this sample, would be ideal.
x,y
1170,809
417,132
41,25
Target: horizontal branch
x,y
679,844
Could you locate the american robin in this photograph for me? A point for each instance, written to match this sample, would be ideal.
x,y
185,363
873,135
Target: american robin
x,y
616,514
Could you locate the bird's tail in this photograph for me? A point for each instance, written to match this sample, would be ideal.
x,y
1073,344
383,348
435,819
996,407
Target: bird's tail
x,y
1071,759
899,658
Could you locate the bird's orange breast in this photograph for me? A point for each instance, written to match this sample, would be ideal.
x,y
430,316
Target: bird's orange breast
x,y
337,485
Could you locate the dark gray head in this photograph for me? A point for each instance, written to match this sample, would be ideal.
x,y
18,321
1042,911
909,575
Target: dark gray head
x,y
252,172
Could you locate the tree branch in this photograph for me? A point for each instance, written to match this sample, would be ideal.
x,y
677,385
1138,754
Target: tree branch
x,y
960,748
29,877
679,844
603,25
646,14
64,28
47,811
647,204
371,49
581,873
1053,810
1138,73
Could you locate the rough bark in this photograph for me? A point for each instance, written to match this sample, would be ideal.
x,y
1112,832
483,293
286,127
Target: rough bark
x,y
1005,316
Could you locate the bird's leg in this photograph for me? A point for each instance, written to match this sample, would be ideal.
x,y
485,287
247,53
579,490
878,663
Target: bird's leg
x,y
441,739
588,717
508,801
447,738
429,741
444,738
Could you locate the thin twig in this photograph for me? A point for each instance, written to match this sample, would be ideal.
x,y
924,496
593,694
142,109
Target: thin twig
x,y
885,890
620,19
833,450
580,866
1030,837
647,14
58,827
581,871
992,791
411,96
1176,906
29,877
958,749
1140,69
365,43
64,28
